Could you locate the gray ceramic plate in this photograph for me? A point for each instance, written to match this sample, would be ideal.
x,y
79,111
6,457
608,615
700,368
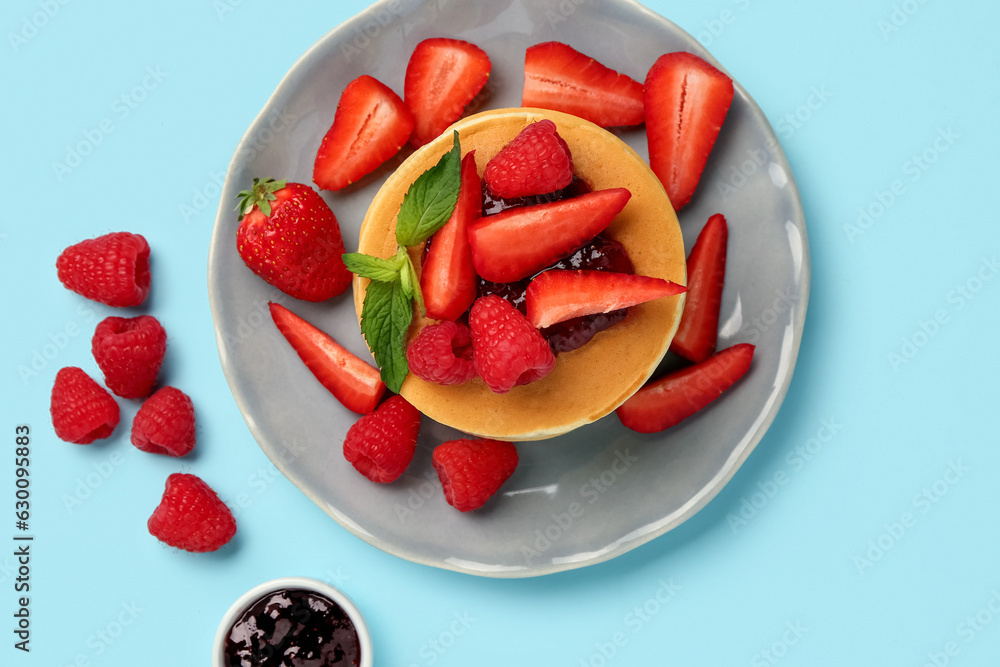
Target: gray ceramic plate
x,y
575,500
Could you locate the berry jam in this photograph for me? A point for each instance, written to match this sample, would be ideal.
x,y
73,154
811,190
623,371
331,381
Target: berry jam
x,y
601,254
493,204
293,628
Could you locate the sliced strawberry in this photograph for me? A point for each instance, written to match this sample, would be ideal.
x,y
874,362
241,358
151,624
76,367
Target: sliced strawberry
x,y
447,278
675,397
370,126
355,383
442,77
556,296
686,101
706,267
559,77
519,242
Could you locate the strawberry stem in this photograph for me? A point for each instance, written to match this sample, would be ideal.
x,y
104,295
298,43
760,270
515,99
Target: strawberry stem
x,y
260,195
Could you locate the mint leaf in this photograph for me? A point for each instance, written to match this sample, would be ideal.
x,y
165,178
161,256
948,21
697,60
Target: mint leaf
x,y
376,268
431,199
385,317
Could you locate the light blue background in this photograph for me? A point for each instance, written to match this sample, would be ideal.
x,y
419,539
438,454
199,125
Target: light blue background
x,y
822,571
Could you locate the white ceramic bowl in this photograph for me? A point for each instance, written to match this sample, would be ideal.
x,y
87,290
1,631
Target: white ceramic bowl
x,y
302,583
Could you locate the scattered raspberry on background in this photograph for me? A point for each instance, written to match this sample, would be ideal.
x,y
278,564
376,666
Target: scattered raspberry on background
x,y
508,351
129,351
82,410
442,353
381,444
471,471
165,423
191,516
536,162
112,269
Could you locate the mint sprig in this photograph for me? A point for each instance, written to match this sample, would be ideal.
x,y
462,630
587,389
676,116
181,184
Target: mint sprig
x,y
388,306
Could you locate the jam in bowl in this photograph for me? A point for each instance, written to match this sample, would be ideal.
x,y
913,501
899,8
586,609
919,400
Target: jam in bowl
x,y
292,622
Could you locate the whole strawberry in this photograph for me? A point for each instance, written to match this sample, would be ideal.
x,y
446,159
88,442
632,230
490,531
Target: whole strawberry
x,y
129,351
289,237
112,269
471,471
165,423
82,410
191,517
381,444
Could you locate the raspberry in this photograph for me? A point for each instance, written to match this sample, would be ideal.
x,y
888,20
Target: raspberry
x,y
191,517
165,423
129,352
381,444
508,351
82,410
536,162
112,269
471,471
442,353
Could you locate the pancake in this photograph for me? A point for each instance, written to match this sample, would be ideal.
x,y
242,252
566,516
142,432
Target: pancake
x,y
587,383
